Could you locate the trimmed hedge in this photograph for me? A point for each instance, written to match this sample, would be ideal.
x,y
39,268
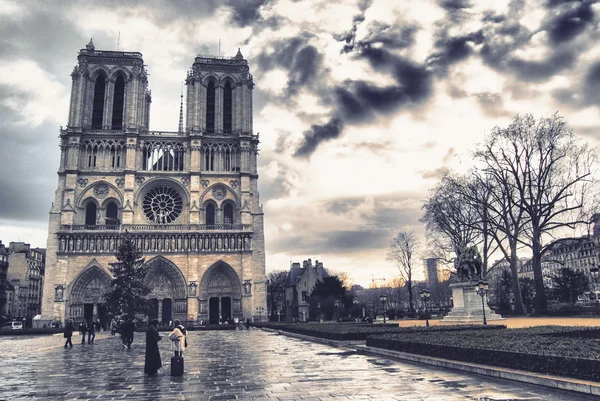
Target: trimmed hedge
x,y
360,331
30,331
556,350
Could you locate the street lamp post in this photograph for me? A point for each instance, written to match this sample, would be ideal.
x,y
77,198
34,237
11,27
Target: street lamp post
x,y
355,303
383,298
483,287
425,294
319,312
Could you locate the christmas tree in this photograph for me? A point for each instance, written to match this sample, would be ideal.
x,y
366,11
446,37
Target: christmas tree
x,y
128,292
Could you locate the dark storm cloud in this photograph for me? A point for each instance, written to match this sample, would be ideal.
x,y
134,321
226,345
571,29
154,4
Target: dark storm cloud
x,y
359,101
372,232
452,5
45,36
29,159
246,12
302,61
535,71
317,134
332,242
450,50
571,23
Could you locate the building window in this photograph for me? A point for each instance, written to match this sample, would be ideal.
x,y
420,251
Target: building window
x,y
227,108
210,215
304,296
115,153
90,214
162,204
112,214
163,156
228,214
117,117
210,107
98,103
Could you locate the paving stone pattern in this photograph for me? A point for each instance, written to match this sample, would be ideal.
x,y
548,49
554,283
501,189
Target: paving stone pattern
x,y
236,365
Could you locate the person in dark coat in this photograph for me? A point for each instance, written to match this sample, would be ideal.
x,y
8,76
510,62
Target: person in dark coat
x,y
91,332
152,362
69,328
127,330
83,330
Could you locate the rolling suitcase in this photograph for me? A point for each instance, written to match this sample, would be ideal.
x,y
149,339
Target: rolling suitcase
x,y
176,361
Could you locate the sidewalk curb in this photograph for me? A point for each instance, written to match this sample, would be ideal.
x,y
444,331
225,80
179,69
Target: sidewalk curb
x,y
554,382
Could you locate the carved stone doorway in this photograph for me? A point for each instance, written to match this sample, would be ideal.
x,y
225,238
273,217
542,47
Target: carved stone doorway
x,y
168,290
86,295
214,313
220,294
167,311
226,308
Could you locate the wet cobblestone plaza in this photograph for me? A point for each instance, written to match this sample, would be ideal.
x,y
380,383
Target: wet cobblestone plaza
x,y
236,365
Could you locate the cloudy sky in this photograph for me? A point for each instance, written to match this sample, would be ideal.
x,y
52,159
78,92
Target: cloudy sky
x,y
360,104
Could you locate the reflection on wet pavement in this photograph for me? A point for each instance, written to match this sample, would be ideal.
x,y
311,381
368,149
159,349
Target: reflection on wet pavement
x,y
236,365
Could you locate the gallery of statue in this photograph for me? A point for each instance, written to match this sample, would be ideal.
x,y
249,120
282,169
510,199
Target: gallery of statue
x,y
188,198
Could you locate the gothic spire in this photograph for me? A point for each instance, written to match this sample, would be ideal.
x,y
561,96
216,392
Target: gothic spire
x,y
239,56
90,46
181,112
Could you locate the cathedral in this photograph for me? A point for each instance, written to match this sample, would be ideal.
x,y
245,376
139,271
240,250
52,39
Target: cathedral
x,y
188,198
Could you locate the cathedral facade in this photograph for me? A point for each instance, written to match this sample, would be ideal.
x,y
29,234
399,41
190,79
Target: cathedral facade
x,y
188,198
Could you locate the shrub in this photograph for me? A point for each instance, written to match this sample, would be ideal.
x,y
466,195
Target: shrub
x,y
31,331
565,309
559,350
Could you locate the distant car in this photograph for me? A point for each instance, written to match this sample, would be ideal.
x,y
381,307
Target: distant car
x,y
13,325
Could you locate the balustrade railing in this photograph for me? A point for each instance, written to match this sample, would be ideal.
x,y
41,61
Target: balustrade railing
x,y
92,243
157,227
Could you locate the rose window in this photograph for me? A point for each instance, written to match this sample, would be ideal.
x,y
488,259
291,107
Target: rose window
x,y
219,192
162,204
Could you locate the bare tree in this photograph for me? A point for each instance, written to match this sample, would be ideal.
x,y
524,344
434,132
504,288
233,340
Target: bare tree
x,y
402,253
276,290
549,178
505,212
450,219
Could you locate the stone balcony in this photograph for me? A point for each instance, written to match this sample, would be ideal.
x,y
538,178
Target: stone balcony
x,y
156,239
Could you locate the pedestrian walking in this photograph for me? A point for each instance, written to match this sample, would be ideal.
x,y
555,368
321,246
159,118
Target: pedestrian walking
x,y
113,327
69,328
127,330
83,330
152,361
91,332
247,324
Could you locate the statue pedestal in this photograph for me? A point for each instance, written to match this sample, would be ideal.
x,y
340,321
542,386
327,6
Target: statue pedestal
x,y
467,305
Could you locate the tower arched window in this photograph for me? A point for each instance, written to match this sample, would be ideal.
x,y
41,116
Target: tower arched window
x,y
210,107
98,103
112,214
210,214
90,214
118,101
227,108
228,214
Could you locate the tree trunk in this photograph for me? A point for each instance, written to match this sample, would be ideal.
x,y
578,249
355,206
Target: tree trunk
x,y
410,296
514,268
541,303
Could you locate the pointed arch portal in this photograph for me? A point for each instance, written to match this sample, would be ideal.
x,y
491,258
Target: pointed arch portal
x,y
168,295
220,294
86,296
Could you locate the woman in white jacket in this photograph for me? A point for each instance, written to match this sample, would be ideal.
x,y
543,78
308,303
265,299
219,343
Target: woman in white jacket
x,y
178,334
